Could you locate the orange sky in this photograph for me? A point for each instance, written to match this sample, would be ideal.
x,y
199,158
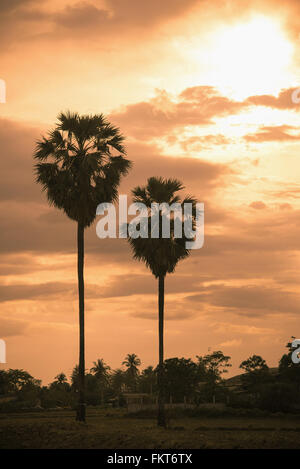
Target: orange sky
x,y
202,90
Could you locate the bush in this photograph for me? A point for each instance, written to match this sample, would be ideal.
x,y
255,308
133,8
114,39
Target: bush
x,y
278,397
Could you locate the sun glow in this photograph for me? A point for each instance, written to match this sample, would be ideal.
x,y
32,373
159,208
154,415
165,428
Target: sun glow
x,y
252,58
241,59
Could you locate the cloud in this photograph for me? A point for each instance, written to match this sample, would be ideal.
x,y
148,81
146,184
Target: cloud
x,y
163,116
250,300
204,142
11,5
245,329
259,205
274,134
118,14
17,177
147,285
169,316
36,291
231,343
12,327
282,101
159,116
285,206
291,191
200,177
83,20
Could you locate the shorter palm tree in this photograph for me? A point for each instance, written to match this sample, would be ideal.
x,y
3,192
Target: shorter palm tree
x,y
160,254
132,362
102,373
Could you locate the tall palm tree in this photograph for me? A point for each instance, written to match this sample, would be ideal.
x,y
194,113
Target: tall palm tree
x,y
77,170
102,373
132,362
161,255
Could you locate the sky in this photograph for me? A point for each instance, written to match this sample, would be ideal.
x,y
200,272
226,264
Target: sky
x,y
202,91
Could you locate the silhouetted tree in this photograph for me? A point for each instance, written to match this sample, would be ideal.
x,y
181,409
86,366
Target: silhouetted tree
x,y
132,362
160,254
118,382
17,379
212,366
77,170
4,382
148,379
254,364
102,373
75,378
181,378
256,374
60,378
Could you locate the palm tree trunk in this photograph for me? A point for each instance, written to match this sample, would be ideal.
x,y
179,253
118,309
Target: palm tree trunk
x,y
161,419
102,395
80,263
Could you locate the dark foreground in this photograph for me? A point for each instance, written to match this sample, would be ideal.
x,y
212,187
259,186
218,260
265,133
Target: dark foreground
x,y
113,429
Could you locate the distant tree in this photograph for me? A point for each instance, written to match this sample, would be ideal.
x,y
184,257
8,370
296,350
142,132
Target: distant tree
x,y
29,394
278,397
59,392
61,378
5,385
254,364
75,378
93,396
61,385
256,373
211,368
118,382
214,365
148,380
181,378
132,362
102,373
19,378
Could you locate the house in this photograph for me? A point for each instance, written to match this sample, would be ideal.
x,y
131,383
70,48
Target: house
x,y
138,401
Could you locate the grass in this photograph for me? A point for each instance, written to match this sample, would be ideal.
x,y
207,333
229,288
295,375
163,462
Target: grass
x,y
113,429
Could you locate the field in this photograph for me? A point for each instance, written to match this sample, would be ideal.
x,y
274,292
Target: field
x,y
113,429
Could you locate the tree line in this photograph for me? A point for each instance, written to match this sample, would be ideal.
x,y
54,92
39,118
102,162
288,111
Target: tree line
x,y
195,381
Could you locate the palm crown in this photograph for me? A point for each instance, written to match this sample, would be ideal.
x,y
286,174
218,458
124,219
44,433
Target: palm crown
x,y
100,369
76,166
132,362
161,254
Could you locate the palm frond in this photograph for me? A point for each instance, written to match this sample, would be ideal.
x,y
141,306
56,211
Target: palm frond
x,y
76,168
